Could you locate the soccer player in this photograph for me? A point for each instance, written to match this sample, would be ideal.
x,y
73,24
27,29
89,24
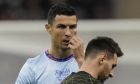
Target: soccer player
x,y
65,55
101,58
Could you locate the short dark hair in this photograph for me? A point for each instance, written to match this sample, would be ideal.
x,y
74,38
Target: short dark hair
x,y
60,9
103,44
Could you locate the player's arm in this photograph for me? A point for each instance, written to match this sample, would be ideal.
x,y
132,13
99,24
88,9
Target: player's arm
x,y
77,46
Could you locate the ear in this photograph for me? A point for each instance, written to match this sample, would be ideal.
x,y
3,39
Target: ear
x,y
48,28
102,58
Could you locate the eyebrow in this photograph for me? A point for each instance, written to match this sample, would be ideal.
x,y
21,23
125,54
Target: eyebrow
x,y
67,24
61,25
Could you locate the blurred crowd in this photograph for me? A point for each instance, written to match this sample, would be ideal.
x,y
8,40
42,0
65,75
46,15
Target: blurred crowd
x,y
38,9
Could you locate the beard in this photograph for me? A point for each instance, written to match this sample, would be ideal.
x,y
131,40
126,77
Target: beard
x,y
102,79
65,49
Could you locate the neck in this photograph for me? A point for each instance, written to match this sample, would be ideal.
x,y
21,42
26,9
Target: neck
x,y
87,68
59,53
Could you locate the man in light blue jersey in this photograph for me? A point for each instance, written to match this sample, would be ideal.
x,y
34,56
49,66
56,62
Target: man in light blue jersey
x,y
65,55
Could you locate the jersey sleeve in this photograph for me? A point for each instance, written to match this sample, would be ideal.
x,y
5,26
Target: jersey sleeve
x,y
26,74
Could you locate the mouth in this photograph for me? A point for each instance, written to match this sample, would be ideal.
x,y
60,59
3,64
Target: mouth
x,y
66,42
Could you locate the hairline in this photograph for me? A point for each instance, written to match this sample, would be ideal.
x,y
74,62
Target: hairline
x,y
52,21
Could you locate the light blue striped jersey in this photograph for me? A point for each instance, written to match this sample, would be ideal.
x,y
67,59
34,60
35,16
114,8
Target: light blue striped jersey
x,y
44,69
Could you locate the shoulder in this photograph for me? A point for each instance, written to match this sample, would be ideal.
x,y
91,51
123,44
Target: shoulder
x,y
30,69
75,78
35,61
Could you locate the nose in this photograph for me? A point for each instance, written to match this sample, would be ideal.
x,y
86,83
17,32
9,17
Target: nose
x,y
111,75
68,32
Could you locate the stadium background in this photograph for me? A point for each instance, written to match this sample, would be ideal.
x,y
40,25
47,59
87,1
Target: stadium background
x,y
23,36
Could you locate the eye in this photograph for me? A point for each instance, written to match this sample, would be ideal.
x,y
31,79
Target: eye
x,y
73,26
61,26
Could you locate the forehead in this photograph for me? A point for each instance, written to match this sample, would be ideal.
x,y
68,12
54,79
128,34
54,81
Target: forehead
x,y
64,19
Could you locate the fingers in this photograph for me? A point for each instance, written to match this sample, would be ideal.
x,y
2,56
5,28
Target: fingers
x,y
77,46
75,42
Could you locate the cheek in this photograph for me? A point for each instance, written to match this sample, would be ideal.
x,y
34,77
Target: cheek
x,y
56,35
107,69
74,32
